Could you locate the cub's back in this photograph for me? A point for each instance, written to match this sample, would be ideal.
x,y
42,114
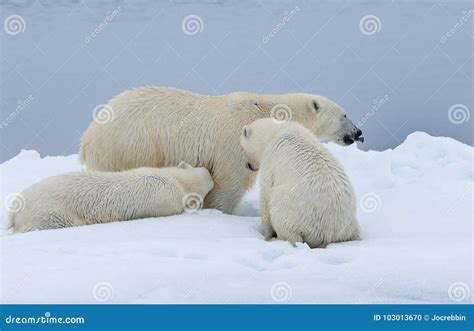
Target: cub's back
x,y
90,197
88,187
300,155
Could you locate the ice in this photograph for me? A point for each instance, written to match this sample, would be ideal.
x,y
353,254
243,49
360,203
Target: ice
x,y
415,207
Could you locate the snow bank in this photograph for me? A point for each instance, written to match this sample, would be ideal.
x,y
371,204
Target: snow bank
x,y
415,210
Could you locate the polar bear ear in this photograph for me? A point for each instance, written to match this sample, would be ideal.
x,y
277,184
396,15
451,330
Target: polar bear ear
x,y
246,131
183,165
316,106
263,105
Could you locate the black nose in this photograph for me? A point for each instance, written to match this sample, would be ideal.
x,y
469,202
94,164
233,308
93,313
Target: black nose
x,y
359,133
348,140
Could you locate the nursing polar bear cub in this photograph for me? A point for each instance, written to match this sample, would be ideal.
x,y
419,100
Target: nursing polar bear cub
x,y
91,197
159,127
305,194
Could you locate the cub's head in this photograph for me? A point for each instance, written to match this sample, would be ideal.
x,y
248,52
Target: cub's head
x,y
324,117
256,136
194,179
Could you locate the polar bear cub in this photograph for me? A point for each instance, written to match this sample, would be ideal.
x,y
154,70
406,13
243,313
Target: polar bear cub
x,y
305,194
91,197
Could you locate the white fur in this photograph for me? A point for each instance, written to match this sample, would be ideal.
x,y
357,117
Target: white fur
x,y
90,197
158,127
305,194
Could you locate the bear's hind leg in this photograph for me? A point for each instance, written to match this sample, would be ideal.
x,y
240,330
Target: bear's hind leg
x,y
267,228
292,237
285,214
285,225
224,199
229,189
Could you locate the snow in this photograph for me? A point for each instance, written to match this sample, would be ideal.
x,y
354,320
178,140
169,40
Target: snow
x,y
415,210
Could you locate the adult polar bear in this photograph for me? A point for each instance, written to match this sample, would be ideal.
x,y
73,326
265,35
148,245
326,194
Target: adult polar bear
x,y
159,127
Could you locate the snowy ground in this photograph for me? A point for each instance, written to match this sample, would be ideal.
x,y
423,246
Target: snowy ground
x,y
415,210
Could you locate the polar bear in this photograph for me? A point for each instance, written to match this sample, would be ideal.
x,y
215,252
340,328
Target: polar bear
x,y
305,194
158,127
91,197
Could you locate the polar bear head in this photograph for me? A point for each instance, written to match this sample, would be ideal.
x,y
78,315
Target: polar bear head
x,y
193,179
256,136
322,116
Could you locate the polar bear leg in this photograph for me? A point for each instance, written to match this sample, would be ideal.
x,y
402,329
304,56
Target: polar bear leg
x,y
284,215
225,196
267,228
292,237
229,188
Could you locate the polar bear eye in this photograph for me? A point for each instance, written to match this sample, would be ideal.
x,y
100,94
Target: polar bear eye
x,y
246,132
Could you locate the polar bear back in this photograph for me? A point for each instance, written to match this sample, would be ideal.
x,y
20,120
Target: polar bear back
x,y
159,127
301,157
90,197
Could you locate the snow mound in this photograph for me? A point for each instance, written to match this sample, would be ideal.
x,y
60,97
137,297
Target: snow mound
x,y
415,210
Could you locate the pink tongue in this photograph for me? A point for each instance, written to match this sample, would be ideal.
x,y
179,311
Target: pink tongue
x,y
360,139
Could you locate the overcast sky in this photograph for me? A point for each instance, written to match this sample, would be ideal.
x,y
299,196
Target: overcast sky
x,y
396,67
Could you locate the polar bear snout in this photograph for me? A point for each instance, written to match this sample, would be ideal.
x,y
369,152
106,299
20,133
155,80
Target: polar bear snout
x,y
356,136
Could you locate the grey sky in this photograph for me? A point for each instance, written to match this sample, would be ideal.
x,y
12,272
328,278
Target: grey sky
x,y
396,67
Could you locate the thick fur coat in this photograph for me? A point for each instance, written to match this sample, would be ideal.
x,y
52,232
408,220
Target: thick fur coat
x,y
91,197
306,195
158,127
